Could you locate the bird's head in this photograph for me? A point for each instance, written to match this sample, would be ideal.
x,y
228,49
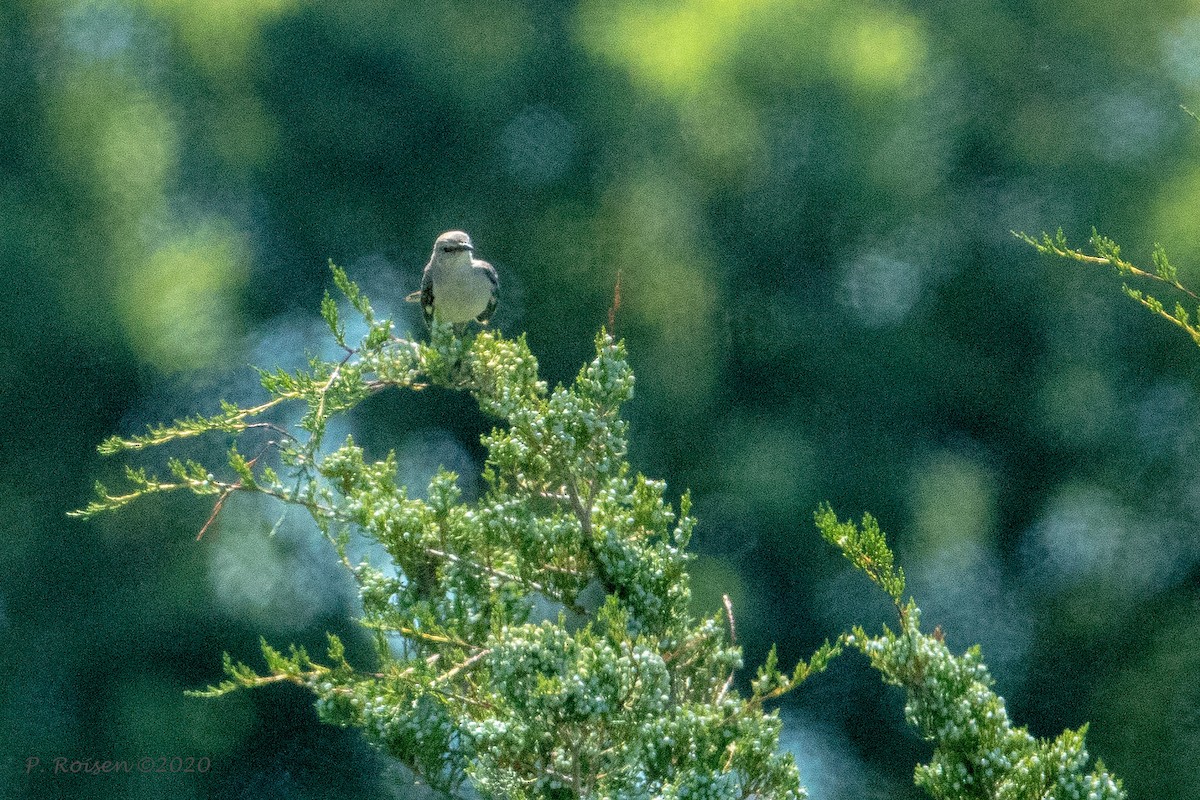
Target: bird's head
x,y
453,242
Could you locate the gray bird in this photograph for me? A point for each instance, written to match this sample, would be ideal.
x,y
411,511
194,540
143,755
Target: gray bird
x,y
456,287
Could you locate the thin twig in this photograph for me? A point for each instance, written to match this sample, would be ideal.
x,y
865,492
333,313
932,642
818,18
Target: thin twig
x,y
217,508
273,427
449,674
333,376
729,616
233,487
615,307
583,514
733,638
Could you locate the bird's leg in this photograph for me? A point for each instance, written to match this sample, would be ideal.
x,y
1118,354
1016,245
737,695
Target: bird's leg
x,y
457,368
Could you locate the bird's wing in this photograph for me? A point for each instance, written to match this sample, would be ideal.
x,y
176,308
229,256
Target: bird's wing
x,y
427,293
490,272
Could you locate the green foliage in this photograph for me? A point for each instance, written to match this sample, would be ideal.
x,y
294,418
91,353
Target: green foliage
x,y
1106,251
631,697
635,699
866,548
977,751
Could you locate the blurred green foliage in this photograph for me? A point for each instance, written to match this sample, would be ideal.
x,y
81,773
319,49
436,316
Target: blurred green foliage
x,y
809,206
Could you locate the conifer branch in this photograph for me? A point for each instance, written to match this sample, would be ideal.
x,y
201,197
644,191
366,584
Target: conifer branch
x,y
1108,252
635,698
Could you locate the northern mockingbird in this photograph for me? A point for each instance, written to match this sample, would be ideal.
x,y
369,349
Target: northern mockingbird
x,y
456,287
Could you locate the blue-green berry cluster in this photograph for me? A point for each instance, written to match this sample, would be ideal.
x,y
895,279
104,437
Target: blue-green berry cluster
x,y
630,719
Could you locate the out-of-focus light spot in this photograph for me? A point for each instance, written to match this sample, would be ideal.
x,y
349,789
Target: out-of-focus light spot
x,y
1181,51
96,29
667,284
964,589
690,53
1078,536
671,47
220,34
876,49
1167,421
680,48
880,289
281,582
136,151
1173,215
954,501
952,567
1130,126
114,138
1085,535
1077,405
179,307
537,145
767,463
683,52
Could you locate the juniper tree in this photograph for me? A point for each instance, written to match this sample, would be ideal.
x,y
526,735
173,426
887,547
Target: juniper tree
x,y
627,696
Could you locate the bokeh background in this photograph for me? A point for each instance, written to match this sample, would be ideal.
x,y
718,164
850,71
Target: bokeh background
x,y
809,203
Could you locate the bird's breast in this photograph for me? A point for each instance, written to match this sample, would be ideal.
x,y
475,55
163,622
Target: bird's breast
x,y
460,295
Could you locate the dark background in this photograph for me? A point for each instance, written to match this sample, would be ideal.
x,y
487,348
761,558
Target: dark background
x,y
809,204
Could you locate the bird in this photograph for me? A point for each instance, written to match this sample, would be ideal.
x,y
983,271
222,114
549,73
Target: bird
x,y
456,287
